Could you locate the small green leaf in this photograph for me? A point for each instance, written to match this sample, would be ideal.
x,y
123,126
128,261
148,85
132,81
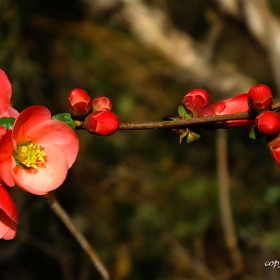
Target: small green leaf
x,y
7,122
66,118
184,112
254,133
171,118
183,133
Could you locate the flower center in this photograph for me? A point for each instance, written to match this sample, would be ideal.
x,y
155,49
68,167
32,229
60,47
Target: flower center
x,y
30,155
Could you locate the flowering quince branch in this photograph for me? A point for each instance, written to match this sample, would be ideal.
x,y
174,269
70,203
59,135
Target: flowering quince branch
x,y
37,149
182,123
253,109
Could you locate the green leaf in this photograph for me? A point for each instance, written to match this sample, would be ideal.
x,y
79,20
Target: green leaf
x,y
66,118
254,133
184,112
7,122
171,118
183,133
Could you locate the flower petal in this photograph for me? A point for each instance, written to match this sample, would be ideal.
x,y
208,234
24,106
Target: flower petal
x,y
236,104
45,178
6,159
27,119
7,205
5,92
7,227
10,112
60,134
8,215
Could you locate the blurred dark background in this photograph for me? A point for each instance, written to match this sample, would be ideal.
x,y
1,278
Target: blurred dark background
x,y
149,205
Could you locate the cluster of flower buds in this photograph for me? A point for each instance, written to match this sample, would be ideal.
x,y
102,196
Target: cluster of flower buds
x,y
267,122
257,102
96,113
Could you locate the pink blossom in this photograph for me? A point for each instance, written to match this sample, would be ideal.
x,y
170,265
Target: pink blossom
x,y
37,153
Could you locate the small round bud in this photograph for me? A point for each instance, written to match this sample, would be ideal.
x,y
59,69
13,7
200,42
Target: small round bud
x,y
103,123
267,123
102,103
260,98
79,102
195,100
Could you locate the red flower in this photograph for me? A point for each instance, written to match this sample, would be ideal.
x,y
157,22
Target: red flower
x,y
8,215
102,103
79,102
237,104
260,98
37,153
196,100
103,123
267,123
6,93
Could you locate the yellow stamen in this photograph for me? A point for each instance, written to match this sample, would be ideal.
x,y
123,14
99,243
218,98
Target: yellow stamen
x,y
30,155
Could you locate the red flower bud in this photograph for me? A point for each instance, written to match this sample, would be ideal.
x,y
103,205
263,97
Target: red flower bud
x,y
102,123
267,123
79,102
236,104
102,103
196,100
260,98
273,143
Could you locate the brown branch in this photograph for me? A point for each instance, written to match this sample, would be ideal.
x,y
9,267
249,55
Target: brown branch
x,y
225,206
63,216
190,261
189,122
182,122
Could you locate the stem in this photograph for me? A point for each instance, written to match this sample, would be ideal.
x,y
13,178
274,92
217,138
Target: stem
x,y
224,197
64,217
183,123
